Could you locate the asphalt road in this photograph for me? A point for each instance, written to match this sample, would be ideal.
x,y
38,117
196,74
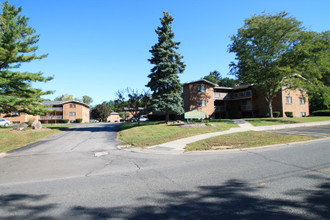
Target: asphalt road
x,y
315,131
79,174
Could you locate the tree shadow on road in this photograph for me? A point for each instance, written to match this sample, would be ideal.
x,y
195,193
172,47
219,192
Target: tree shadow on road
x,y
24,206
235,199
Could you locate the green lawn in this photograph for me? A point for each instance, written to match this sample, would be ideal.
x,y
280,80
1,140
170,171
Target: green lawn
x,y
152,133
10,139
278,121
244,140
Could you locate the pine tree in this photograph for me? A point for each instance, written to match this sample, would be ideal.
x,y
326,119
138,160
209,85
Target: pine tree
x,y
17,46
164,80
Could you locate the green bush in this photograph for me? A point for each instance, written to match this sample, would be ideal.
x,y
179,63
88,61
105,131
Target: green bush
x,y
78,120
289,114
321,112
276,114
65,121
30,121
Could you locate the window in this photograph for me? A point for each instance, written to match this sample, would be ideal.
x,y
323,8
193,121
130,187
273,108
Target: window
x,y
303,114
16,114
72,105
288,100
302,100
72,114
201,103
201,88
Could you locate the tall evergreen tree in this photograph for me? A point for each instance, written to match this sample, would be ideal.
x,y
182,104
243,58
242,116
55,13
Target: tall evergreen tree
x,y
164,80
18,45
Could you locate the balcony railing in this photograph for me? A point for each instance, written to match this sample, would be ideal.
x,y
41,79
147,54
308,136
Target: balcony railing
x,y
247,108
59,109
53,117
221,95
220,108
235,95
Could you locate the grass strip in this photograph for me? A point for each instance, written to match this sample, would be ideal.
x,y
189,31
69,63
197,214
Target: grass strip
x,y
279,121
152,133
244,140
10,139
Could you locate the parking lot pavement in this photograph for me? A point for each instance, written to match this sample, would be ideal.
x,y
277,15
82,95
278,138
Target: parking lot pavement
x,y
316,132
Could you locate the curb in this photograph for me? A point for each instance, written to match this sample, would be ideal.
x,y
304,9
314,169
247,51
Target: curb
x,y
259,147
185,141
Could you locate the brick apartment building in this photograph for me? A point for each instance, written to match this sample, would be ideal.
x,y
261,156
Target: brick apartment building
x,y
241,101
18,117
70,110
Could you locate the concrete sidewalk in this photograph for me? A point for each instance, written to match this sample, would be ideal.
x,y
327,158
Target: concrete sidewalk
x,y
177,146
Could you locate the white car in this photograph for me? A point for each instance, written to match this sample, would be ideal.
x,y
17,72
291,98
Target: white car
x,y
4,122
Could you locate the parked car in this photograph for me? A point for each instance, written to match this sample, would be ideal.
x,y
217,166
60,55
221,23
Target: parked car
x,y
133,120
4,122
94,121
144,119
141,119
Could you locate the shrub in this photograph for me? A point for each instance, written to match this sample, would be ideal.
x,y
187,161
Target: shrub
x,y
30,121
79,120
65,121
322,112
276,114
289,114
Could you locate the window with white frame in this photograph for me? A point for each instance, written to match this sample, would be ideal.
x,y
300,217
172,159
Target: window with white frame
x,y
303,114
16,114
201,88
72,114
302,100
202,103
289,100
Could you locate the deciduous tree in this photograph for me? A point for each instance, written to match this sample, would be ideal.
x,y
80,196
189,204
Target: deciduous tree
x,y
134,102
311,59
164,80
87,99
261,47
100,112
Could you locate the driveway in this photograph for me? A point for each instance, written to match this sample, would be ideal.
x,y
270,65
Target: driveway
x,y
72,152
315,131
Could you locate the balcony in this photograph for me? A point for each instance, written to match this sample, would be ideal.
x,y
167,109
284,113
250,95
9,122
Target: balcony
x,y
243,94
247,108
58,109
221,95
220,108
51,117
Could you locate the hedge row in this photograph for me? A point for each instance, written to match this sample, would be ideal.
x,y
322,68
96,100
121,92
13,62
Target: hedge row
x,y
321,112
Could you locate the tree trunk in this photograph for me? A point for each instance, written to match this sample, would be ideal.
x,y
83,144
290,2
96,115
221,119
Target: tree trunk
x,y
167,117
270,109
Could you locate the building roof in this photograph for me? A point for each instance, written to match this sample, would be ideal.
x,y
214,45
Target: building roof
x,y
202,80
63,102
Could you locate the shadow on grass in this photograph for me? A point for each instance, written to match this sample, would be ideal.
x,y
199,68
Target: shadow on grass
x,y
61,128
129,125
235,199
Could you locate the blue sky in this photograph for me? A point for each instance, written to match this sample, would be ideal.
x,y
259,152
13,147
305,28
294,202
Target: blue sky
x,y
97,47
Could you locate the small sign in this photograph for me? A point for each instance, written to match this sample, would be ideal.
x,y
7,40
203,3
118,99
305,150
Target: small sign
x,y
194,114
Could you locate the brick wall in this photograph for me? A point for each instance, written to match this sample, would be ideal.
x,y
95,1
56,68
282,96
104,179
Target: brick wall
x,y
296,106
23,117
191,98
81,111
